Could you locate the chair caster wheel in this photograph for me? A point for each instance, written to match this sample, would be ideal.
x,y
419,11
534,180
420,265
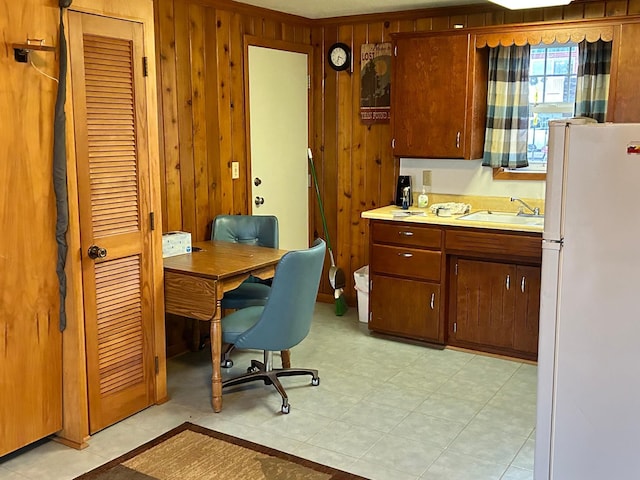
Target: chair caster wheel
x,y
226,363
315,381
285,409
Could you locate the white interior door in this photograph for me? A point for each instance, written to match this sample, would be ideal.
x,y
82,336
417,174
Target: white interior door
x,y
278,129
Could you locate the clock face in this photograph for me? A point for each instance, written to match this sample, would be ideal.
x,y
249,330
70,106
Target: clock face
x,y
339,56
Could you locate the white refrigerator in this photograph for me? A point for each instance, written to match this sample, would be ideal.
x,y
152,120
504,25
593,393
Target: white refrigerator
x,y
588,410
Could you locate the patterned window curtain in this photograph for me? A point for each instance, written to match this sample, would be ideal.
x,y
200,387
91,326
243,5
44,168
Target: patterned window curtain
x,y
507,108
592,88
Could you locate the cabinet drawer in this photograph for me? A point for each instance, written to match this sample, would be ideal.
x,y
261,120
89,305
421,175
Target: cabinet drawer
x,y
403,234
470,241
409,262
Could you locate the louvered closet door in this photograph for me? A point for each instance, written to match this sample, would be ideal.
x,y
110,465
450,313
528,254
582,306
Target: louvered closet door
x,y
113,189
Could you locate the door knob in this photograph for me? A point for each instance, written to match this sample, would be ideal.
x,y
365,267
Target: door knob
x,y
96,252
259,201
257,181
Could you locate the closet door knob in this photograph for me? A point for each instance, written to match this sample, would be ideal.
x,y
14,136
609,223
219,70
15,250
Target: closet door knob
x,y
96,252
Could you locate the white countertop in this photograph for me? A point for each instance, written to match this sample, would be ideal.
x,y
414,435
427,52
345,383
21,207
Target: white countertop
x,y
425,216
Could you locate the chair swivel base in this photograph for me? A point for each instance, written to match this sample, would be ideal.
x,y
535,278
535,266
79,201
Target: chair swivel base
x,y
258,371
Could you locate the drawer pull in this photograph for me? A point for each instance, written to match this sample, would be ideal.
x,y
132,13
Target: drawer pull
x,y
433,299
458,140
523,283
405,255
508,281
406,234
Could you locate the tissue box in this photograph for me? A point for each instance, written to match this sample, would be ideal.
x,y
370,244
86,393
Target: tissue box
x,y
175,243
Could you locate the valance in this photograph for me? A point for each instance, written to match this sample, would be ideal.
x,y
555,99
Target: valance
x,y
536,37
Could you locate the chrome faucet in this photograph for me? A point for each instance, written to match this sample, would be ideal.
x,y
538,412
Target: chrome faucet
x,y
534,211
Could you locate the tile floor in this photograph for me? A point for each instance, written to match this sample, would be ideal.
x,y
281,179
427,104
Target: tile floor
x,y
384,410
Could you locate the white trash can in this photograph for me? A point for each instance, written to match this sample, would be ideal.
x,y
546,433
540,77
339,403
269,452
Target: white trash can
x,y
361,276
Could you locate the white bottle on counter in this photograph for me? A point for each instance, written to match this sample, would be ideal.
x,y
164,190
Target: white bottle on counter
x,y
423,199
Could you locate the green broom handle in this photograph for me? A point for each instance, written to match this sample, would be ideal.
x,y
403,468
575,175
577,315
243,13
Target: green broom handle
x,y
324,220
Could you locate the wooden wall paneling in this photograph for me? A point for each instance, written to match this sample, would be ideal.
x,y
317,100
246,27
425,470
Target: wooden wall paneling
x,y
171,189
316,138
594,10
373,161
359,155
458,20
346,97
302,34
476,20
424,24
616,8
495,18
223,26
239,147
439,23
573,11
327,165
163,179
271,29
199,123
633,7
214,179
288,33
184,65
514,16
390,167
552,14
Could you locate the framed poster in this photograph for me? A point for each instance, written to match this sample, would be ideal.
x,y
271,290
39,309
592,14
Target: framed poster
x,y
375,83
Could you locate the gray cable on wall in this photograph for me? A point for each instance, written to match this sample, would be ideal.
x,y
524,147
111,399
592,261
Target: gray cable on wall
x,y
60,169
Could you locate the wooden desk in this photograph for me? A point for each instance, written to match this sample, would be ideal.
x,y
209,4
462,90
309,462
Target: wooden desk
x,y
194,285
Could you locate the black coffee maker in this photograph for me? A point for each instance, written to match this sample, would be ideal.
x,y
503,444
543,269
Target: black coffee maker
x,y
404,181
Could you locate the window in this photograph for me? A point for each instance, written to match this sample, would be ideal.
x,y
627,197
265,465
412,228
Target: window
x,y
553,72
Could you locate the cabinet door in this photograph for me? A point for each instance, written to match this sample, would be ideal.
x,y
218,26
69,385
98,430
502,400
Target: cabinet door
x,y
429,96
623,91
526,322
485,303
405,307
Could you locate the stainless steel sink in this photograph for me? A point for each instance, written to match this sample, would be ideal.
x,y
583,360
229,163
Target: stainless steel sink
x,y
504,217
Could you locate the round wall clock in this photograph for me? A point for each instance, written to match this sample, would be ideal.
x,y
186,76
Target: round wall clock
x,y
339,56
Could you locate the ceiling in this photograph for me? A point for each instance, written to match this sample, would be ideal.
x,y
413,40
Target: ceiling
x,y
339,8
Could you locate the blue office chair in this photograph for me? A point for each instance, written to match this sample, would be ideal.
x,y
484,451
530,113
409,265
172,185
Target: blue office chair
x,y
283,322
259,230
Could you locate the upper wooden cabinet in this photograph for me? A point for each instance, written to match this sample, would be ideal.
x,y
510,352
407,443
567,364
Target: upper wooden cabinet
x,y
438,96
625,70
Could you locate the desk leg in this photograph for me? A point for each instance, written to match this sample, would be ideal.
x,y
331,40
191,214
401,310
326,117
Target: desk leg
x,y
216,352
286,358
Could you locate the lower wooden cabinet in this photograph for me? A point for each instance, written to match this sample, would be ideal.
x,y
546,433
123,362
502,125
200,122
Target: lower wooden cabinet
x,y
469,287
404,307
495,307
405,270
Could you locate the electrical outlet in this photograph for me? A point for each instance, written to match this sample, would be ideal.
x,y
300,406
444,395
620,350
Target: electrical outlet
x,y
235,170
426,178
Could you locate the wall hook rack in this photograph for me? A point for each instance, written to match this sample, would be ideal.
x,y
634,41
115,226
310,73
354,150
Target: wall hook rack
x,y
21,50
